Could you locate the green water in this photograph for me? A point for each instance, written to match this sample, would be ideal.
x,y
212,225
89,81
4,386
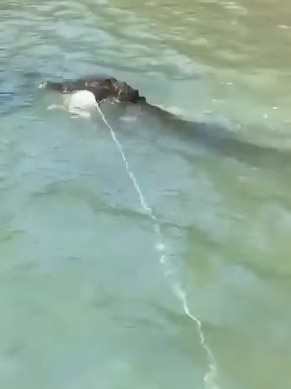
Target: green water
x,y
85,301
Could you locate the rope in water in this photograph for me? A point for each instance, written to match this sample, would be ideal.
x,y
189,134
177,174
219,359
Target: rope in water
x,y
210,376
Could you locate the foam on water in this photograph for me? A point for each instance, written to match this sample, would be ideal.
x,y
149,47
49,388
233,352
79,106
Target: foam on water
x,y
168,270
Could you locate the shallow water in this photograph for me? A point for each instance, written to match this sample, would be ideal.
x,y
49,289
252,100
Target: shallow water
x,y
86,300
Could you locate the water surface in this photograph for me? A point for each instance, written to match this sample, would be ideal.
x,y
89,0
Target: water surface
x,y
85,301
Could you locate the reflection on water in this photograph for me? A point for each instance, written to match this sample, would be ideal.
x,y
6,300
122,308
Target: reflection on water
x,y
85,298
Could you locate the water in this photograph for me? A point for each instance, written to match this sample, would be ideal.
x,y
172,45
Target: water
x,y
86,301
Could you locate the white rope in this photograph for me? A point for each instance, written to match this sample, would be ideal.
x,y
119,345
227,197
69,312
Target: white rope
x,y
210,375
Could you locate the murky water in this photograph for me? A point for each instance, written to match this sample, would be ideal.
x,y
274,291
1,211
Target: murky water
x,y
86,299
